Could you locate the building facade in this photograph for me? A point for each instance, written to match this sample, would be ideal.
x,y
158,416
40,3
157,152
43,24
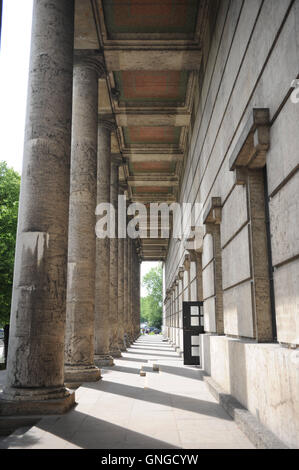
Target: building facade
x,y
242,165
185,102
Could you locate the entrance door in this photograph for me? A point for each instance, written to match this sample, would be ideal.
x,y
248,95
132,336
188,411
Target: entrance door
x,y
193,326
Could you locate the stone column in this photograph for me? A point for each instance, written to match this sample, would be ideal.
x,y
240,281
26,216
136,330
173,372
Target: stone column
x,y
102,357
79,344
180,291
177,338
173,313
130,333
113,288
137,300
133,291
121,281
133,286
199,276
35,370
120,303
126,330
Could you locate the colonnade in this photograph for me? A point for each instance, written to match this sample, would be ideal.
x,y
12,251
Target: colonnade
x,y
76,297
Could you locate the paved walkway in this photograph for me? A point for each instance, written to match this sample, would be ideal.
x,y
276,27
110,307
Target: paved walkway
x,y
168,409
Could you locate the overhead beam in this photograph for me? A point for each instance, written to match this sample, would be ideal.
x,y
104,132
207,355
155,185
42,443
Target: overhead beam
x,y
145,59
150,197
149,180
167,119
154,157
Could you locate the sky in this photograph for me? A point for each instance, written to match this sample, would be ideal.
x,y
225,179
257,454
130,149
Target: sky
x,y
14,67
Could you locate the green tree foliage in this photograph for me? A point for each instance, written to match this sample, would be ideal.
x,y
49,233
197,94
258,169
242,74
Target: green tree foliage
x,y
151,305
9,202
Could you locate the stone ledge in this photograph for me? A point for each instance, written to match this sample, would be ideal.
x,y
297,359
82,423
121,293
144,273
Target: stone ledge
x,y
256,432
20,408
81,374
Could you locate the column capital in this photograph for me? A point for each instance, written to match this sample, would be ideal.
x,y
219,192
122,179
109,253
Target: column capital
x,y
91,59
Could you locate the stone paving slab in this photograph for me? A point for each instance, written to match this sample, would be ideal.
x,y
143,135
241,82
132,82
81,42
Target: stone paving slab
x,y
169,409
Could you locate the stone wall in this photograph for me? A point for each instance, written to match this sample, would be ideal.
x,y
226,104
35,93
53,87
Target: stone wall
x,y
252,58
263,377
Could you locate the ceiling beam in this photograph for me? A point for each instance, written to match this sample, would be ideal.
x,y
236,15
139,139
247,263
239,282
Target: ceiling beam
x,y
152,59
150,180
154,157
153,119
150,197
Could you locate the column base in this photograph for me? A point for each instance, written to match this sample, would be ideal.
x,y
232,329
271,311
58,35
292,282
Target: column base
x,y
103,360
115,353
75,375
36,401
122,347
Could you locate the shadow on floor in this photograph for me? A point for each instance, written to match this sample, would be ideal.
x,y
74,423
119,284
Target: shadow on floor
x,y
126,370
124,358
141,353
202,407
196,374
17,439
88,432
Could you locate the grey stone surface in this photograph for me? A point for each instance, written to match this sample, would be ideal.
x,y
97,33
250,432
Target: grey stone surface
x,y
236,260
172,409
130,332
120,293
36,347
114,329
286,281
261,377
284,216
237,205
126,307
79,340
260,436
208,277
102,345
237,311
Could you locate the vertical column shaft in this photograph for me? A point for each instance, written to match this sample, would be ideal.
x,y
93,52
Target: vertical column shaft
x,y
137,296
102,345
130,290
199,276
126,331
259,256
79,345
113,288
36,347
121,276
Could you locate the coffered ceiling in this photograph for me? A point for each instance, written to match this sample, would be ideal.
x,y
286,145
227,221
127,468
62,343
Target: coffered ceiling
x,y
152,51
